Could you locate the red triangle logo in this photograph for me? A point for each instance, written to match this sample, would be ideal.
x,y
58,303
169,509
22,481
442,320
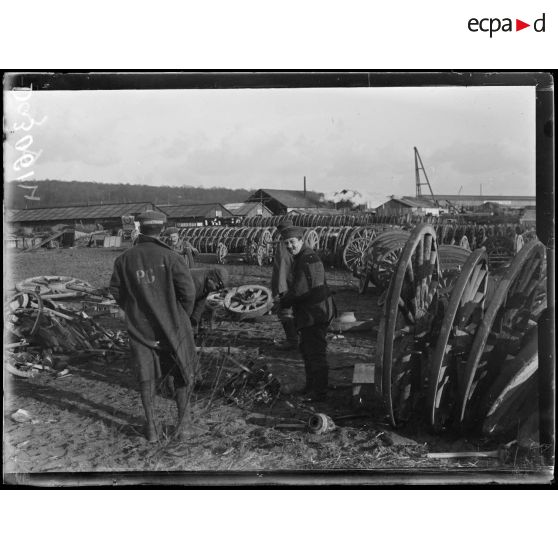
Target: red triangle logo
x,y
519,25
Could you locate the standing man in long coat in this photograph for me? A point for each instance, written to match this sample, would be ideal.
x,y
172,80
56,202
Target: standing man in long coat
x,y
154,287
314,308
281,281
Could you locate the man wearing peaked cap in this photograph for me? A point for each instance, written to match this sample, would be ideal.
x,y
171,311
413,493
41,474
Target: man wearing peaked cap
x,y
281,278
292,232
314,308
154,287
284,224
152,218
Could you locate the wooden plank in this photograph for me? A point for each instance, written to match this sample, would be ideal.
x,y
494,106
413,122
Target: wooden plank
x,y
45,241
363,373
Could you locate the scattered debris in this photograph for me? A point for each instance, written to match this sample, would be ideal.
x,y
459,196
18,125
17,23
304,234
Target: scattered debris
x,y
251,386
21,415
390,438
319,423
42,335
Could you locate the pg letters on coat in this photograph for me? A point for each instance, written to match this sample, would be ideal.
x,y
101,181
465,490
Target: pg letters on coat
x,y
145,277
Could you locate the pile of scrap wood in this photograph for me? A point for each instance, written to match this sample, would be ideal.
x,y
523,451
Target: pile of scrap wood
x,y
44,335
63,238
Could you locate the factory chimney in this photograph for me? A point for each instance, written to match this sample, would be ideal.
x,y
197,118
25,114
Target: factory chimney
x,y
304,186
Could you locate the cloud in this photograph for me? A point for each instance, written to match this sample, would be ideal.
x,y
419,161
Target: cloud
x,y
355,139
481,157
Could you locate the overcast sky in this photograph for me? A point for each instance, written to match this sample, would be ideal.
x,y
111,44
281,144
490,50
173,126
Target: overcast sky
x,y
356,138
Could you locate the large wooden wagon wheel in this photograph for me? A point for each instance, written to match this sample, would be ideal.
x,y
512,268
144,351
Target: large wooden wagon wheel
x,y
216,299
518,243
386,251
470,235
463,313
253,234
340,244
328,244
500,250
213,232
356,246
518,300
249,301
405,331
481,235
353,254
452,260
221,236
266,236
512,399
321,231
221,252
311,239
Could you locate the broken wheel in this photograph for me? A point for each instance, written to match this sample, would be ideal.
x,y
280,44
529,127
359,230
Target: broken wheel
x,y
249,301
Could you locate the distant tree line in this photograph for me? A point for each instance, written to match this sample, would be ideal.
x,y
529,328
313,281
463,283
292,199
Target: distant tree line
x,y
58,193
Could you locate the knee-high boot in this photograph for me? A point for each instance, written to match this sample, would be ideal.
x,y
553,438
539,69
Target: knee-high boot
x,y
147,399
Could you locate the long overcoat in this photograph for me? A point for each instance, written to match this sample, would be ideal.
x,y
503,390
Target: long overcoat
x,y
282,270
154,287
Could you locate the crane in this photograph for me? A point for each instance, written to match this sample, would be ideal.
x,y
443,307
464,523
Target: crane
x,y
418,168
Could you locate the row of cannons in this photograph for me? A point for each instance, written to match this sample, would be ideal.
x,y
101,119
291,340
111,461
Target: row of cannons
x,y
347,247
457,345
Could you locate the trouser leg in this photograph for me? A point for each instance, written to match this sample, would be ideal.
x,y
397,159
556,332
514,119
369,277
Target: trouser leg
x,y
184,427
182,395
286,318
147,389
291,333
313,347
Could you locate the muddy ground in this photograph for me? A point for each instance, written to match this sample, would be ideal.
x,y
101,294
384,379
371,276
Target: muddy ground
x,y
91,420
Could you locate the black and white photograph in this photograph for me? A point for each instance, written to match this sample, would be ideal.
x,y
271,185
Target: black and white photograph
x,y
304,277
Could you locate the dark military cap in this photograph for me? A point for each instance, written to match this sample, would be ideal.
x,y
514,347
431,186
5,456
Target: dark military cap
x,y
292,232
284,224
151,217
171,230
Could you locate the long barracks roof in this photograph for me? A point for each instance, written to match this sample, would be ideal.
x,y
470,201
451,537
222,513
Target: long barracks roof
x,y
241,208
288,198
415,202
77,212
472,197
198,210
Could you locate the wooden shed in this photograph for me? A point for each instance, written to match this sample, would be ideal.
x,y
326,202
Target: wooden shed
x,y
103,216
280,202
248,209
407,205
197,215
